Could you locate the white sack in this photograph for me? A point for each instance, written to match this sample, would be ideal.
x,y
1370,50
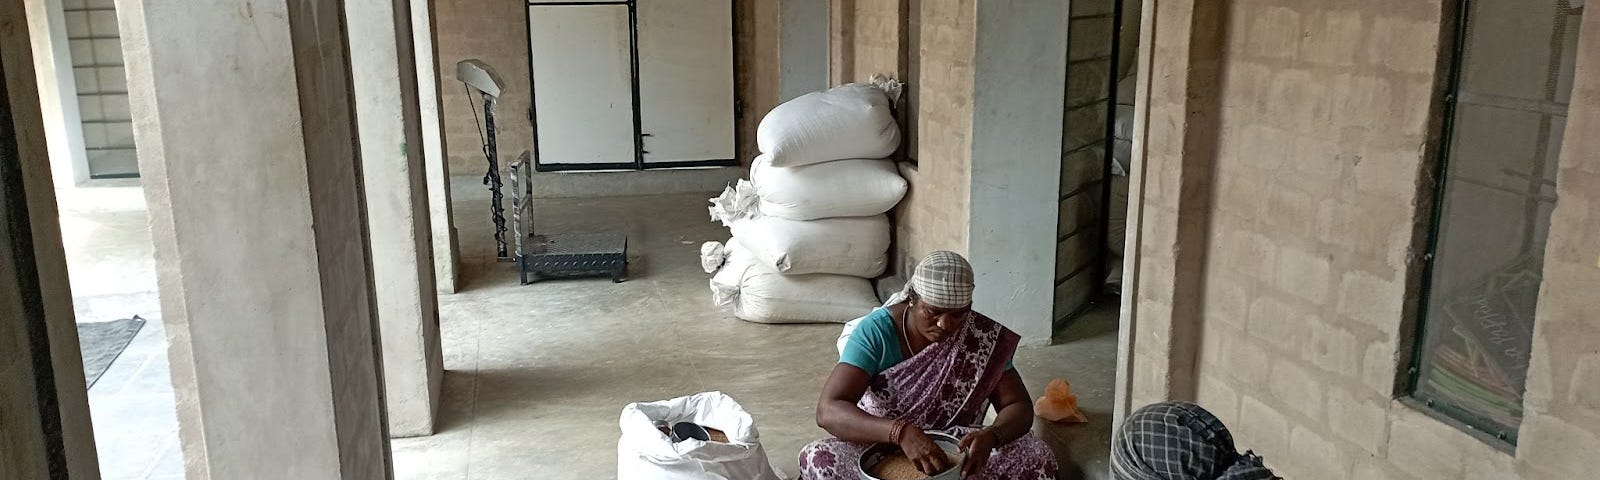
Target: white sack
x,y
644,452
849,121
1117,216
848,331
737,201
845,188
855,246
711,256
762,295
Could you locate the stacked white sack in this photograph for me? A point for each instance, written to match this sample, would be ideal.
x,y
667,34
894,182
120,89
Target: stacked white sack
x,y
848,121
842,188
760,294
810,223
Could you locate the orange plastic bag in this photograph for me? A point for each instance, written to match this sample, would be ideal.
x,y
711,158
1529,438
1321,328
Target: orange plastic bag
x,y
1059,404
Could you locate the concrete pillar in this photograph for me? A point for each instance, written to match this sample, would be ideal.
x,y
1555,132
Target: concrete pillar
x,y
1017,108
802,47
385,81
58,92
244,119
1174,150
446,249
45,429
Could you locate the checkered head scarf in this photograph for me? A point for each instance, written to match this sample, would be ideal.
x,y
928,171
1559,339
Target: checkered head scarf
x,y
943,280
1180,441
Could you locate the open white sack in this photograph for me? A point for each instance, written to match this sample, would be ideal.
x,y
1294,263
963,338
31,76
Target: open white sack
x,y
644,452
762,295
844,188
854,246
848,121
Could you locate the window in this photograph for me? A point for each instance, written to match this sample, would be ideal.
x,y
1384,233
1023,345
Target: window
x,y
1511,83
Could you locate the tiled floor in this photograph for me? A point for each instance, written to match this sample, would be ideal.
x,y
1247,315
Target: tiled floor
x,y
537,375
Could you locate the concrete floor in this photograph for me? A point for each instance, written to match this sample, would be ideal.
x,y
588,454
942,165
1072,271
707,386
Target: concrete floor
x,y
106,232
537,375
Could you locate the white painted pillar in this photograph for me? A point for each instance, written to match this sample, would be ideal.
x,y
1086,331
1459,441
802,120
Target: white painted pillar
x,y
802,47
446,249
45,429
385,85
1017,108
242,115
58,92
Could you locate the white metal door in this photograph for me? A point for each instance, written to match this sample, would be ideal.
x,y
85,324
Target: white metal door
x,y
686,80
582,85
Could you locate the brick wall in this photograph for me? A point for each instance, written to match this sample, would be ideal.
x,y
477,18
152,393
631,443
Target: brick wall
x,y
1322,133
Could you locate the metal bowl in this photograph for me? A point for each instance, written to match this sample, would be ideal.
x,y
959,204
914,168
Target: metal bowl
x,y
875,453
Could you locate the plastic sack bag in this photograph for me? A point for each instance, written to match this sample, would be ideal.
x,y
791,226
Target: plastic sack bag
x,y
848,121
760,294
854,246
848,331
844,188
737,201
644,452
712,255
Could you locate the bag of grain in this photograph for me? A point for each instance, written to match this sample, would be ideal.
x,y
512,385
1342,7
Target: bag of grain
x,y
644,452
848,121
855,246
844,188
737,201
760,294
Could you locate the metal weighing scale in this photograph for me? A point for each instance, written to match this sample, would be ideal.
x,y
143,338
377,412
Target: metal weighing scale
x,y
537,256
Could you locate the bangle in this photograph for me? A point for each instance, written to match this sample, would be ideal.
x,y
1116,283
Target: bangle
x,y
895,431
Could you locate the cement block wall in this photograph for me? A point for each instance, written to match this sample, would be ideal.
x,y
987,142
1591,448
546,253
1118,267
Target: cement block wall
x,y
96,52
1090,35
1309,277
755,69
497,33
934,214
874,37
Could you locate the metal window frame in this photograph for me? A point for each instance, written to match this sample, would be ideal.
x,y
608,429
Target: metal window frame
x,y
638,163
1477,426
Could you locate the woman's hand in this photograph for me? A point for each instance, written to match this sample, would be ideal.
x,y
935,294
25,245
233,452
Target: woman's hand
x,y
925,454
976,446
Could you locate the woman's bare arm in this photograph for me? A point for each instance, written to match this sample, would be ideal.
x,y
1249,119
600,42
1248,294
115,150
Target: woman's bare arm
x,y
837,411
1014,417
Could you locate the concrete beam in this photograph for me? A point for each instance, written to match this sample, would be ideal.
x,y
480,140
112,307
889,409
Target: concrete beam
x,y
1018,105
446,247
44,403
395,180
244,119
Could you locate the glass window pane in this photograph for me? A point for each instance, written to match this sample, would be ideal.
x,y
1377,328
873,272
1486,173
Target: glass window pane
x,y
1499,189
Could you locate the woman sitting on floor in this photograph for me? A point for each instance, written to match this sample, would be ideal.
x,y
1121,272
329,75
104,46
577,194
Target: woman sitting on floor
x,y
925,362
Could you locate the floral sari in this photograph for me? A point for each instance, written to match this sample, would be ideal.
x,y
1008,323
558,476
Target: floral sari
x,y
944,387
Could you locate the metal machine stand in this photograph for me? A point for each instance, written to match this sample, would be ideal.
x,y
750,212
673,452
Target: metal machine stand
x,y
537,256
555,255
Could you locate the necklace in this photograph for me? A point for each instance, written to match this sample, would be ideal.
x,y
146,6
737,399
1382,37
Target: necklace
x,y
905,318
